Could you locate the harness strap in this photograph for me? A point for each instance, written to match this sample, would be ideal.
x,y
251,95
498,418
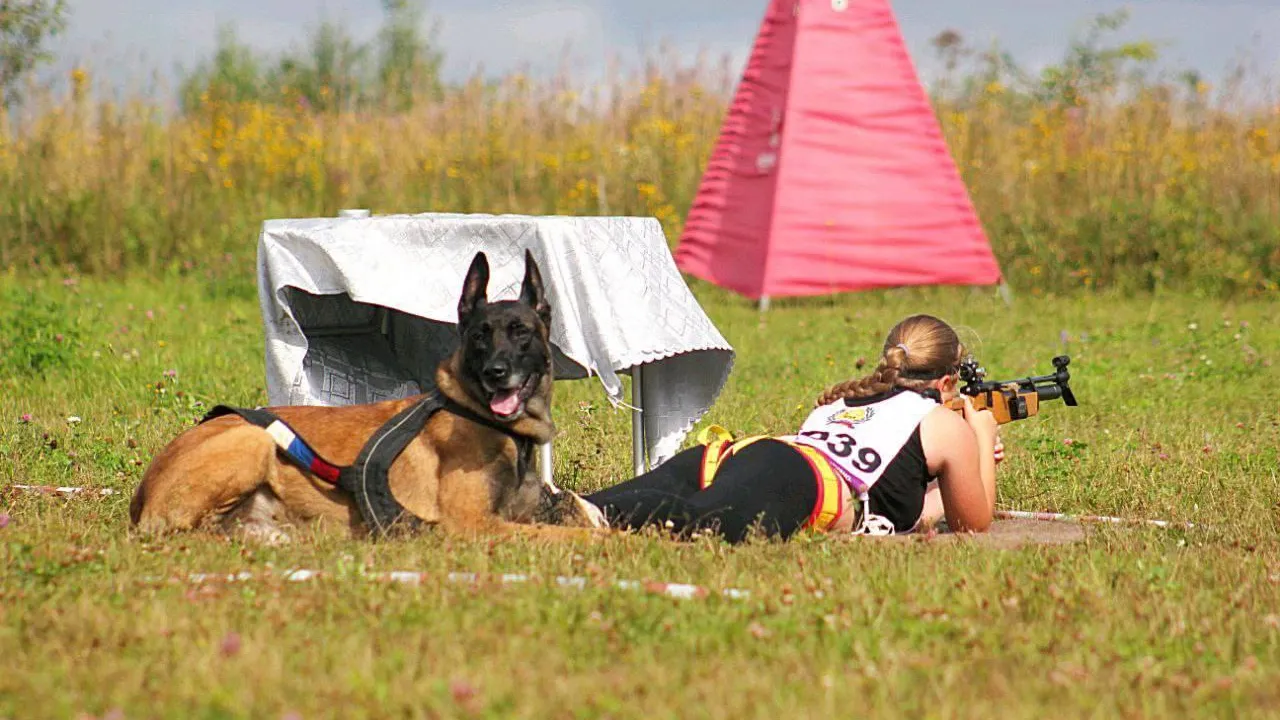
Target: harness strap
x,y
720,447
367,478
285,437
832,490
523,443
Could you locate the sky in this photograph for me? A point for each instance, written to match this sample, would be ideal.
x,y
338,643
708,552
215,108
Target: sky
x,y
133,39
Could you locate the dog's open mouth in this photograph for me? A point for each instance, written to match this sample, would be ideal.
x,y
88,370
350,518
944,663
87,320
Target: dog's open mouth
x,y
508,404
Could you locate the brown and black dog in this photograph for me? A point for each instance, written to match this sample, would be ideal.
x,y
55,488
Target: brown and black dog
x,y
462,474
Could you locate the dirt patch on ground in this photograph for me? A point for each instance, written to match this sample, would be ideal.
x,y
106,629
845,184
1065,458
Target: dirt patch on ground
x,y
1005,535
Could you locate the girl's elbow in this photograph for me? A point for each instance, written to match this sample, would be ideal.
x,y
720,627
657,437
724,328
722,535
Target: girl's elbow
x,y
974,525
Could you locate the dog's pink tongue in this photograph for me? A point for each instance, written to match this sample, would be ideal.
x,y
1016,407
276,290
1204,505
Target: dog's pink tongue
x,y
505,403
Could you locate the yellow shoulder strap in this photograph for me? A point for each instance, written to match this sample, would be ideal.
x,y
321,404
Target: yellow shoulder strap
x,y
719,446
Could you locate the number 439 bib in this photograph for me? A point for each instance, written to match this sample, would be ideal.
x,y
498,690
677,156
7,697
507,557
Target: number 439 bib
x,y
862,439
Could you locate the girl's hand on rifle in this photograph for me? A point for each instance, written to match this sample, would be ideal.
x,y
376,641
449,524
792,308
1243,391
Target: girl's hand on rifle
x,y
982,421
999,449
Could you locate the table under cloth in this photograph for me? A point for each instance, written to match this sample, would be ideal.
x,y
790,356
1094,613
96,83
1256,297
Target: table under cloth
x,y
361,309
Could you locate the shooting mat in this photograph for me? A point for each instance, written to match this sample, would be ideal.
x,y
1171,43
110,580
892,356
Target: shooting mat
x,y
1003,535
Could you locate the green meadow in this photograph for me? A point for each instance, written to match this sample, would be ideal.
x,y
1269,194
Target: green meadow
x,y
1134,214
1176,421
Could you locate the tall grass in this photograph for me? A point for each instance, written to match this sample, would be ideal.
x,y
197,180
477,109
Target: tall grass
x,y
1083,178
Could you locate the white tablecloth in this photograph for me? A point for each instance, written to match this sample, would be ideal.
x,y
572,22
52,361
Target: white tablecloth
x,y
362,309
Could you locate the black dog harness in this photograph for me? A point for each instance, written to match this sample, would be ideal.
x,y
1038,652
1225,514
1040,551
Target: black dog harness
x,y
366,479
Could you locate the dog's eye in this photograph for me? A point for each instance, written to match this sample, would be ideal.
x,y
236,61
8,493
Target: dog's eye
x,y
479,333
519,332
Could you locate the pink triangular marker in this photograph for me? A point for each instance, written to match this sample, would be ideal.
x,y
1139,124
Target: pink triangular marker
x,y
831,173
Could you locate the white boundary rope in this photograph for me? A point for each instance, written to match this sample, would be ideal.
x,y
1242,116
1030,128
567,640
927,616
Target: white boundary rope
x,y
675,590
63,490
1105,519
681,591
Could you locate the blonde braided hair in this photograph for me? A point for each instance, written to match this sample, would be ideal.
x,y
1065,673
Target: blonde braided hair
x,y
919,350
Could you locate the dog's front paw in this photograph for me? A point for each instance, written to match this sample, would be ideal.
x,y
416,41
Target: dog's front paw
x,y
593,514
569,508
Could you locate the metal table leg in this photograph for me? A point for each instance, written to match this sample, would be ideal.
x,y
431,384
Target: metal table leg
x,y
639,463
544,466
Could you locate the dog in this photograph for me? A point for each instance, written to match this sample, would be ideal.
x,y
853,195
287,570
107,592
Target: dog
x,y
468,469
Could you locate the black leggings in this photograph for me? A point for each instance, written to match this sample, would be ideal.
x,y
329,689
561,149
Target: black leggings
x,y
767,481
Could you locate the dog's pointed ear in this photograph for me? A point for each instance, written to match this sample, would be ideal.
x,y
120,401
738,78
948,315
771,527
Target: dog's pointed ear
x,y
532,292
474,288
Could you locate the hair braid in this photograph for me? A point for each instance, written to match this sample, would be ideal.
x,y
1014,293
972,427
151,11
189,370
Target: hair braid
x,y
886,376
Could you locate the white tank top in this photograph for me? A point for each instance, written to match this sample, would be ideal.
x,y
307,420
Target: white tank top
x,y
861,440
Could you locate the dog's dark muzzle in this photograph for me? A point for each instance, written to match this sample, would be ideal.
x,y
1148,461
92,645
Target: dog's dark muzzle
x,y
508,391
496,374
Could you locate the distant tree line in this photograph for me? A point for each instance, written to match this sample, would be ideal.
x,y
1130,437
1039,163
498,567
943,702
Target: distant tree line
x,y
331,72
26,26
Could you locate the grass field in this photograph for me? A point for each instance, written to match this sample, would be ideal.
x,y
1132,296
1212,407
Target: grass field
x,y
1177,420
1133,214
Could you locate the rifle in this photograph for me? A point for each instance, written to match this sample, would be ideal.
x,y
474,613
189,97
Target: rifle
x,y
1011,400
